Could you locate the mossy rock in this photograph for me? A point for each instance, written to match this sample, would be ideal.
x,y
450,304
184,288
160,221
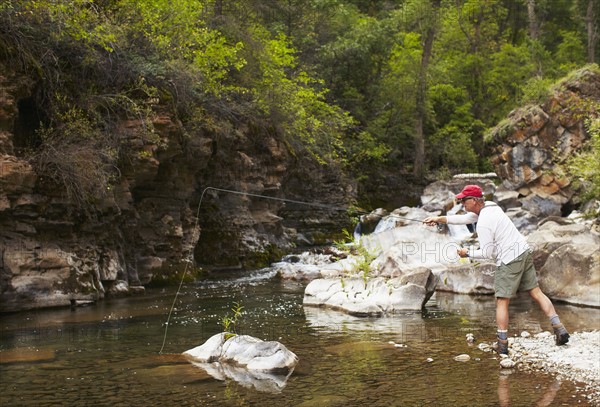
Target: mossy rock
x,y
264,258
173,274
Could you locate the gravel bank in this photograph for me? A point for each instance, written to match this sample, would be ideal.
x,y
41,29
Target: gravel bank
x,y
578,360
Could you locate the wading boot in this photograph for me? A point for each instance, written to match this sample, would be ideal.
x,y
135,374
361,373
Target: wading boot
x,y
562,336
501,346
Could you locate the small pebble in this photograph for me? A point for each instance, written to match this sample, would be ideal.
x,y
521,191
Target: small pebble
x,y
462,358
507,363
484,347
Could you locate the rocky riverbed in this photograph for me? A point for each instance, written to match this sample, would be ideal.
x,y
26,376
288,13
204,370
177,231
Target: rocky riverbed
x,y
578,361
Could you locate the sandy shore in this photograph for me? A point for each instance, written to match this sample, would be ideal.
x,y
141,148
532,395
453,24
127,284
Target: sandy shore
x,y
578,360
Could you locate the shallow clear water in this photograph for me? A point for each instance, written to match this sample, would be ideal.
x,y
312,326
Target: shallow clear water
x,y
109,353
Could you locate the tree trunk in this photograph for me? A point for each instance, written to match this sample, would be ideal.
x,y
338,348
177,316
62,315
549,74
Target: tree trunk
x,y
534,31
419,161
218,8
592,31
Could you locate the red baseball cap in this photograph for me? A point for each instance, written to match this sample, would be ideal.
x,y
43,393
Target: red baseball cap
x,y
470,190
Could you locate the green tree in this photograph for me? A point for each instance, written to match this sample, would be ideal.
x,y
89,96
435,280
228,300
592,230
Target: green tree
x,y
570,53
296,102
421,103
451,144
177,31
351,64
590,11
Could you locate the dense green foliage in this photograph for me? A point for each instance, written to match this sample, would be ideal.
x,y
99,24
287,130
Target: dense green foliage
x,y
585,166
338,79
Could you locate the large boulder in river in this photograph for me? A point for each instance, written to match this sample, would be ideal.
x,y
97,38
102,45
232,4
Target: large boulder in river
x,y
244,351
468,278
552,234
572,274
568,262
373,296
249,361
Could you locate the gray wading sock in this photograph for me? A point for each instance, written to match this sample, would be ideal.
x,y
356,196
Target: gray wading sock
x,y
503,334
554,320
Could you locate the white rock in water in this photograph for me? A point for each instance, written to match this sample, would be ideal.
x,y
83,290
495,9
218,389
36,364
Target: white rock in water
x,y
484,347
525,334
243,350
429,360
462,358
507,363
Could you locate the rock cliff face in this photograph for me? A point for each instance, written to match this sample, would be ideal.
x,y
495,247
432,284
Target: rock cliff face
x,y
146,228
533,139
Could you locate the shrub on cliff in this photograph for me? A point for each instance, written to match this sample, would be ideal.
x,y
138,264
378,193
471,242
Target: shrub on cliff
x,y
77,157
585,166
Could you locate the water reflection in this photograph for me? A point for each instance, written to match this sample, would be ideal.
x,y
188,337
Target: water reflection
x,y
473,314
331,321
525,314
504,398
412,325
265,382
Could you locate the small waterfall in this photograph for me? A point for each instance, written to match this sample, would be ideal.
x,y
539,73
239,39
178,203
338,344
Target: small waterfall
x,y
458,231
386,223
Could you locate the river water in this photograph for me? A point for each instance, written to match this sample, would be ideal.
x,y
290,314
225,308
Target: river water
x,y
110,353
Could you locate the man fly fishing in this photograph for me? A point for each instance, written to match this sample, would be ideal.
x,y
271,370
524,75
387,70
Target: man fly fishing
x,y
500,241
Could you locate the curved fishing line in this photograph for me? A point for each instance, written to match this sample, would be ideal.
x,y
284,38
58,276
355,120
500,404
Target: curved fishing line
x,y
320,205
182,276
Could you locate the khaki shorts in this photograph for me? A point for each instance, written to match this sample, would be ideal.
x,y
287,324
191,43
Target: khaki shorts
x,y
518,275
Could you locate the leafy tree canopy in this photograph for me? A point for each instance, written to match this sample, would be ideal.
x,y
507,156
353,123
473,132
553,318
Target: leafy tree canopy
x,y
335,78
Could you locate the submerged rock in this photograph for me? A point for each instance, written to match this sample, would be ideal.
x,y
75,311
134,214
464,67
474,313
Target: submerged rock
x,y
27,355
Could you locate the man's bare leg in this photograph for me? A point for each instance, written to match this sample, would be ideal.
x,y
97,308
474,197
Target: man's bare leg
x,y
560,332
502,323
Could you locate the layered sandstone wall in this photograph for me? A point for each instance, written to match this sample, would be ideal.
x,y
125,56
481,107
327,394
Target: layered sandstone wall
x,y
145,227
